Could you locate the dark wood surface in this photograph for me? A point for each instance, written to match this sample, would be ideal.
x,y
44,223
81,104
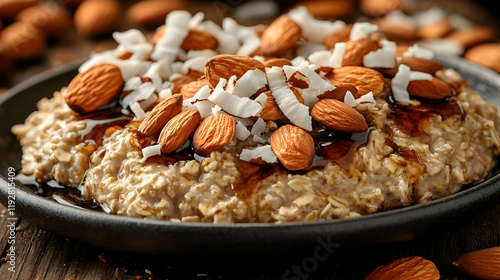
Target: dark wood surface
x,y
44,255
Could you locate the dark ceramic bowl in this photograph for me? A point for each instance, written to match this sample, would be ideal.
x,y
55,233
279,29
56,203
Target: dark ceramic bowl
x,y
138,235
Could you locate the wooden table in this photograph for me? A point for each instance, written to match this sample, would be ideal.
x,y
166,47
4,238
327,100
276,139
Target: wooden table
x,y
43,255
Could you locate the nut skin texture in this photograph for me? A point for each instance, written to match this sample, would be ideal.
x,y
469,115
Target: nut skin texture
x,y
279,62
190,89
338,116
356,50
153,12
293,146
97,17
94,88
227,65
23,41
161,114
483,264
280,36
53,20
271,111
433,89
177,131
408,268
339,92
364,79
214,132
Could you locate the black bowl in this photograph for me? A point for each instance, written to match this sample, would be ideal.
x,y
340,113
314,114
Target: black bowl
x,y
139,235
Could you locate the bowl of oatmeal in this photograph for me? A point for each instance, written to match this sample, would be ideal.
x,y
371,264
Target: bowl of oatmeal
x,y
182,149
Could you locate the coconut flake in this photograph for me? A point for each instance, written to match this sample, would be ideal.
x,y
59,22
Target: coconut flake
x,y
250,83
429,16
143,92
349,99
443,46
129,37
263,152
418,52
296,112
416,75
309,48
384,57
314,30
242,107
228,43
137,110
362,30
168,46
366,100
399,85
241,132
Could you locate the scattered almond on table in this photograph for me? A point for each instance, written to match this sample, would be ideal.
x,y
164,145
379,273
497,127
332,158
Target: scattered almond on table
x,y
408,268
482,264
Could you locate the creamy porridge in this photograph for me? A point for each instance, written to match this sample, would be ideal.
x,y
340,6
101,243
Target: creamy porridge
x,y
277,129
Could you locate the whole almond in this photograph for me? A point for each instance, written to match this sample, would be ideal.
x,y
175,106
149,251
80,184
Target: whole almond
x,y
364,79
227,65
23,41
53,20
339,92
473,35
293,146
435,30
379,7
97,17
280,36
177,131
429,66
338,36
355,50
338,116
190,89
408,268
433,89
153,12
195,40
483,264
326,9
487,55
94,88
161,114
214,132
10,8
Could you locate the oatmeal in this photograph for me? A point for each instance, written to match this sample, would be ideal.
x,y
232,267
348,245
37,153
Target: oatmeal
x,y
261,129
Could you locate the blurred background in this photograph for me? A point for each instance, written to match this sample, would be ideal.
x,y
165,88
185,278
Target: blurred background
x,y
38,35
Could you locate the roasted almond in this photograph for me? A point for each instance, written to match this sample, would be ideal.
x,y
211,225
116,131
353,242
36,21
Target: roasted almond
x,y
279,62
271,111
339,91
487,55
97,17
429,66
190,89
408,268
473,35
185,79
326,9
341,35
356,50
161,114
22,41
94,88
280,36
177,130
293,146
364,79
53,20
214,132
483,264
435,30
227,65
10,8
433,89
153,12
338,116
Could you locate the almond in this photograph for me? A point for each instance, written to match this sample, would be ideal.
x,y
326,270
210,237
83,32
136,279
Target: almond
x,y
339,91
161,114
10,8
326,9
487,55
364,79
153,12
293,146
280,36
178,129
94,88
97,17
379,7
22,41
435,30
227,65
408,268
355,50
433,89
483,264
190,89
185,79
473,35
338,116
396,31
53,20
214,132
279,62
429,66
195,40
341,35
271,111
